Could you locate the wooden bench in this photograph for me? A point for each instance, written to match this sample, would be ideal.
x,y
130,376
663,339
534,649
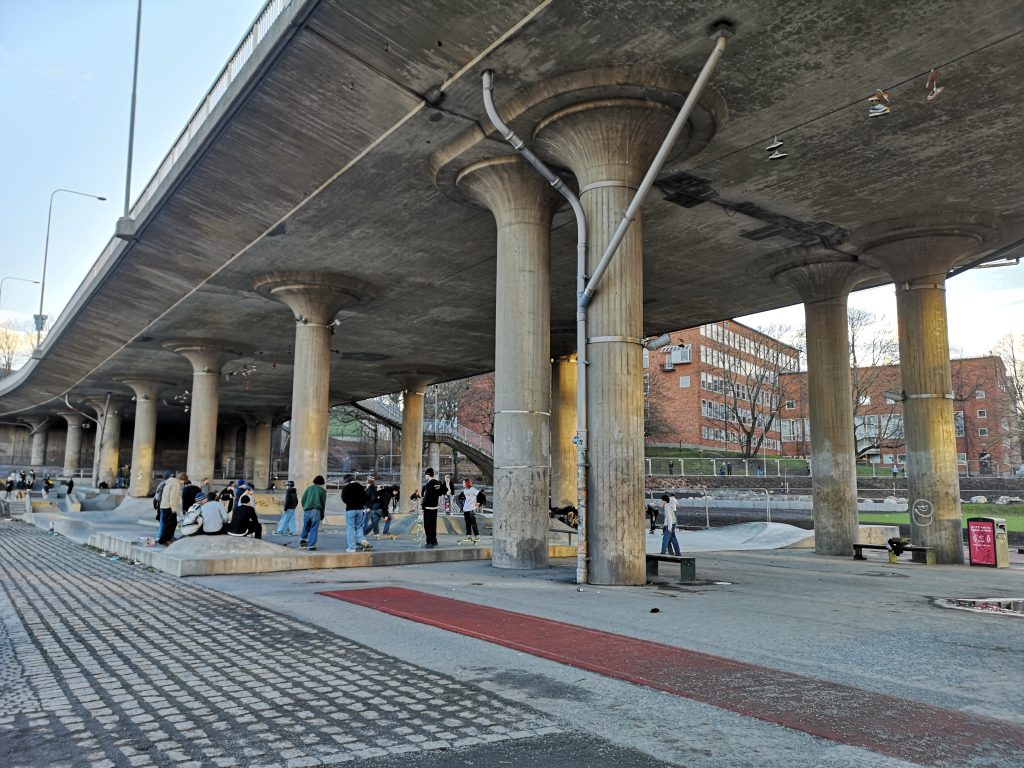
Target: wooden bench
x,y
929,552
687,565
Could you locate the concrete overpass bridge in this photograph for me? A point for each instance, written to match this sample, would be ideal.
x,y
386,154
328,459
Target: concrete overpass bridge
x,y
298,247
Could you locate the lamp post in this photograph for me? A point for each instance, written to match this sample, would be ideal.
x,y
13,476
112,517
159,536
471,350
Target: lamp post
x,y
4,279
41,318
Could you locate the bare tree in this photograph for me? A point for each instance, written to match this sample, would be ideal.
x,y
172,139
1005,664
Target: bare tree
x,y
1011,349
655,398
748,380
476,405
15,346
442,400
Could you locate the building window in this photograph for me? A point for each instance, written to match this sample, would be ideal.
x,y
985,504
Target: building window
x,y
684,382
647,360
791,405
958,423
979,394
983,432
982,414
864,399
901,458
961,458
647,383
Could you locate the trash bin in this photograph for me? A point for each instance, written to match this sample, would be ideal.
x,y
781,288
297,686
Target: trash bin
x,y
987,542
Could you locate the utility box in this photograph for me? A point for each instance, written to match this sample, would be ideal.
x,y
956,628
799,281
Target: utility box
x,y
987,542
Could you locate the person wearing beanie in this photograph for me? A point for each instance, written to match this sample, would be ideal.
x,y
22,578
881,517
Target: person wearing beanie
x,y
286,525
314,502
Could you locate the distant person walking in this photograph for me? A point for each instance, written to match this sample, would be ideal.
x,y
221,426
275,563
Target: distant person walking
x,y
286,525
314,502
472,501
669,517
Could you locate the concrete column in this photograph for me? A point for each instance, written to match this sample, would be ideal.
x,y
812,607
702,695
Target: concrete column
x,y
108,432
228,444
147,396
917,254
73,444
207,359
315,300
258,431
609,145
522,203
434,456
40,429
411,477
563,429
823,280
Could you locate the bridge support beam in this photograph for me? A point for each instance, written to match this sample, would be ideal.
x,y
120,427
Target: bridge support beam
x,y
207,364
563,429
73,443
918,253
108,443
40,430
411,478
823,280
259,429
609,145
315,301
229,448
434,457
522,203
147,395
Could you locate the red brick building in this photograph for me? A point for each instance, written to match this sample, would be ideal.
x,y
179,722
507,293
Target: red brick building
x,y
717,387
986,438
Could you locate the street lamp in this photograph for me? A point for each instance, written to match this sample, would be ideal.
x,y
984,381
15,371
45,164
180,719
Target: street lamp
x,y
4,279
41,318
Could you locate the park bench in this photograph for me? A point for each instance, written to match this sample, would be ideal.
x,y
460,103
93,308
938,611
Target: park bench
x,y
687,565
895,551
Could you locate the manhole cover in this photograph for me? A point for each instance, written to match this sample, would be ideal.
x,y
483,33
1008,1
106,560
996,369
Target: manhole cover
x,y
1007,606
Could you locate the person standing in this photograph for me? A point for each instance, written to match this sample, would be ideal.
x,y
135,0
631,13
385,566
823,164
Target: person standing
x,y
189,492
668,518
314,502
354,497
286,524
385,493
472,501
371,522
170,507
430,495
449,492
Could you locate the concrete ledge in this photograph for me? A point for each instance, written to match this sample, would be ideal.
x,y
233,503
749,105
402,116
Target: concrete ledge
x,y
877,534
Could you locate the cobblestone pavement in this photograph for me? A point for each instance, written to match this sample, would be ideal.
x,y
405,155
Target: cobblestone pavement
x,y
104,664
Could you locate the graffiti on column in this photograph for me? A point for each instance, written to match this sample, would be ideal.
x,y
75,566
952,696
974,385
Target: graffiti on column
x,y
923,512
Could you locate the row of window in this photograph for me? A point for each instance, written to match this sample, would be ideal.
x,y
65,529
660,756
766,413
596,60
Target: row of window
x,y
719,435
883,427
738,390
720,333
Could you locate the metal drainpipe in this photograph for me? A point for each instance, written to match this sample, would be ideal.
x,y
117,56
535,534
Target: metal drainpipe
x,y
585,289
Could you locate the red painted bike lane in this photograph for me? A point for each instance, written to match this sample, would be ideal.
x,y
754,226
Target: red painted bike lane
x,y
889,725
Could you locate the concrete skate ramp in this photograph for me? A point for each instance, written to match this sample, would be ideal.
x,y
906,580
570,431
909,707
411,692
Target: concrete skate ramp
x,y
92,501
745,536
225,546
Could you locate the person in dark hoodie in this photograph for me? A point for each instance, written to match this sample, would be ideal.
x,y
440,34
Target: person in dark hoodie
x,y
430,494
353,494
244,521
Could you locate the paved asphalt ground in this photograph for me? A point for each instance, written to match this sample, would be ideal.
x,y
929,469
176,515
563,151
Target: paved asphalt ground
x,y
103,663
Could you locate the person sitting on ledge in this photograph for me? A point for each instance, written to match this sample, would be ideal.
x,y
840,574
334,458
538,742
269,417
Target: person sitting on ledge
x,y
243,520
215,517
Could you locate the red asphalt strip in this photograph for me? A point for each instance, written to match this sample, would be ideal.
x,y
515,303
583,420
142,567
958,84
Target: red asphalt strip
x,y
905,729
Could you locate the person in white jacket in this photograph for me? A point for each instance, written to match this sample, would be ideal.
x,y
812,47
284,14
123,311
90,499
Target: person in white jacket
x,y
669,517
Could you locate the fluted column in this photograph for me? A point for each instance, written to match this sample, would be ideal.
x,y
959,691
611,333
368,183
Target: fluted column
x,y
315,301
207,359
109,411
147,395
73,443
563,429
522,204
258,432
823,280
918,253
39,429
609,144
412,441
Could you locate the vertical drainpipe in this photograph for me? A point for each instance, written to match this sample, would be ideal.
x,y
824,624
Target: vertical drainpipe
x,y
585,290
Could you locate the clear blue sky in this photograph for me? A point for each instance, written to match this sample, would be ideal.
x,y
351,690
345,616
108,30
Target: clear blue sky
x,y
66,76
65,73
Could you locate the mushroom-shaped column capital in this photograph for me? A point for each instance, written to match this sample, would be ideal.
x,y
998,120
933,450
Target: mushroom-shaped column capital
x,y
146,390
510,189
73,418
205,356
606,141
314,298
816,274
927,245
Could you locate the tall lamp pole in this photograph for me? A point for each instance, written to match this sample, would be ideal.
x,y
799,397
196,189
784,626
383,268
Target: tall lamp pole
x,y
22,279
41,318
125,227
